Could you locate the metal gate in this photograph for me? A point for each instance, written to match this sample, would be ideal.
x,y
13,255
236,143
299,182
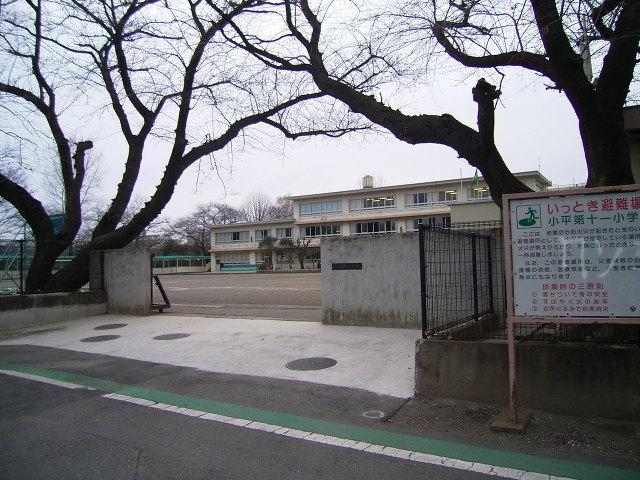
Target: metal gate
x,y
461,277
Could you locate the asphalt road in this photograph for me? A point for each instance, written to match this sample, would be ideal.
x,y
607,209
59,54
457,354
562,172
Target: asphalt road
x,y
51,432
285,296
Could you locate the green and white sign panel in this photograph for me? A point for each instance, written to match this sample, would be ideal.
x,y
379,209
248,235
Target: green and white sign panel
x,y
576,255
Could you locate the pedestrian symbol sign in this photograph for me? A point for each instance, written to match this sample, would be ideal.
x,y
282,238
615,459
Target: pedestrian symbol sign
x,y
528,216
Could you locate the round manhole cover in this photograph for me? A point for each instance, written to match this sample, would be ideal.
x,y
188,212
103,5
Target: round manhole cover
x,y
172,336
313,363
100,338
110,326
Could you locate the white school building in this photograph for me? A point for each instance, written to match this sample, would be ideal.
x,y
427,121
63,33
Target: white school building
x,y
365,211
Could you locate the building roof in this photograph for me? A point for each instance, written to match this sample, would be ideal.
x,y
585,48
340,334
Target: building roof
x,y
532,173
251,224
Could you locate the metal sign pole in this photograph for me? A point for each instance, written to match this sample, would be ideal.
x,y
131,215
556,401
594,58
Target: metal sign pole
x,y
512,371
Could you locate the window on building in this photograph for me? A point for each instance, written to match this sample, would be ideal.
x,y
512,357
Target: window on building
x,y
232,237
479,192
262,234
450,195
320,208
422,198
320,230
233,257
382,226
372,203
284,232
441,221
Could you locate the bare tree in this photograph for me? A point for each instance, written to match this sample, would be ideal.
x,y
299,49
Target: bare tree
x,y
195,228
257,207
532,35
563,42
260,207
163,72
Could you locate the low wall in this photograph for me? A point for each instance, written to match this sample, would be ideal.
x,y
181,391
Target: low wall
x,y
384,293
570,379
20,311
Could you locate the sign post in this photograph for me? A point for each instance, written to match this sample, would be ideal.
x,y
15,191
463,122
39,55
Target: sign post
x,y
571,256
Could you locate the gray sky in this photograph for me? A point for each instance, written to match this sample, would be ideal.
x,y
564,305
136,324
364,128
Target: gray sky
x,y
534,127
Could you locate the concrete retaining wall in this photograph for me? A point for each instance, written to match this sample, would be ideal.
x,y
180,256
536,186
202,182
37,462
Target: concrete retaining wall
x,y
572,379
19,311
385,293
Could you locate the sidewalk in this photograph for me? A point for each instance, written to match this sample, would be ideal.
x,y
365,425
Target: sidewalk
x,y
374,359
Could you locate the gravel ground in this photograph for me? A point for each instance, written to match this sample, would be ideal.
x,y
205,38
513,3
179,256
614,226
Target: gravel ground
x,y
589,439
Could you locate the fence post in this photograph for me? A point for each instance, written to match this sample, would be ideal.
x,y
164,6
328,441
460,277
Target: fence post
x,y
490,273
475,276
21,265
423,282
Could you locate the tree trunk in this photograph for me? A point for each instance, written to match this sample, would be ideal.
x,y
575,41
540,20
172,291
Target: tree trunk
x,y
46,253
606,148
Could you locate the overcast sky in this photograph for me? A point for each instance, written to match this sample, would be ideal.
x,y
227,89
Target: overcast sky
x,y
534,128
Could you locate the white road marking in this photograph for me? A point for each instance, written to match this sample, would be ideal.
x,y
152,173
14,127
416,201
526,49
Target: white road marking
x,y
436,460
38,378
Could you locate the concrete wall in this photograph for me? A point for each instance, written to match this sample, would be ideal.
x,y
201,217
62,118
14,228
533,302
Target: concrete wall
x,y
475,212
386,292
127,280
20,311
572,379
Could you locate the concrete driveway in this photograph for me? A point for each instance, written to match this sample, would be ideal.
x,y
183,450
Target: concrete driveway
x,y
373,359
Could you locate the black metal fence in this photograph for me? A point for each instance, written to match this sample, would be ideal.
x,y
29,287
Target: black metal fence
x,y
463,292
462,279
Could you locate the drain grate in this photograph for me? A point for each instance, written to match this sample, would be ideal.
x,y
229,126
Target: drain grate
x,y
110,326
313,363
172,336
100,338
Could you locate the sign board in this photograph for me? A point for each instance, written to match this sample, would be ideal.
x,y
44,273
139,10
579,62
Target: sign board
x,y
571,256
575,253
57,221
346,266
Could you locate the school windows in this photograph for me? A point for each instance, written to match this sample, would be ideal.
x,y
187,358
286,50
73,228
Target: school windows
x,y
320,208
372,203
232,237
262,234
284,232
320,230
365,228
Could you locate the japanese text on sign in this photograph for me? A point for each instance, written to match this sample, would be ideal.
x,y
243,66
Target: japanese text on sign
x,y
576,255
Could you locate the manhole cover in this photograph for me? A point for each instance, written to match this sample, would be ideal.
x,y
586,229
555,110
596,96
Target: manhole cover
x,y
172,336
100,338
110,326
313,363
